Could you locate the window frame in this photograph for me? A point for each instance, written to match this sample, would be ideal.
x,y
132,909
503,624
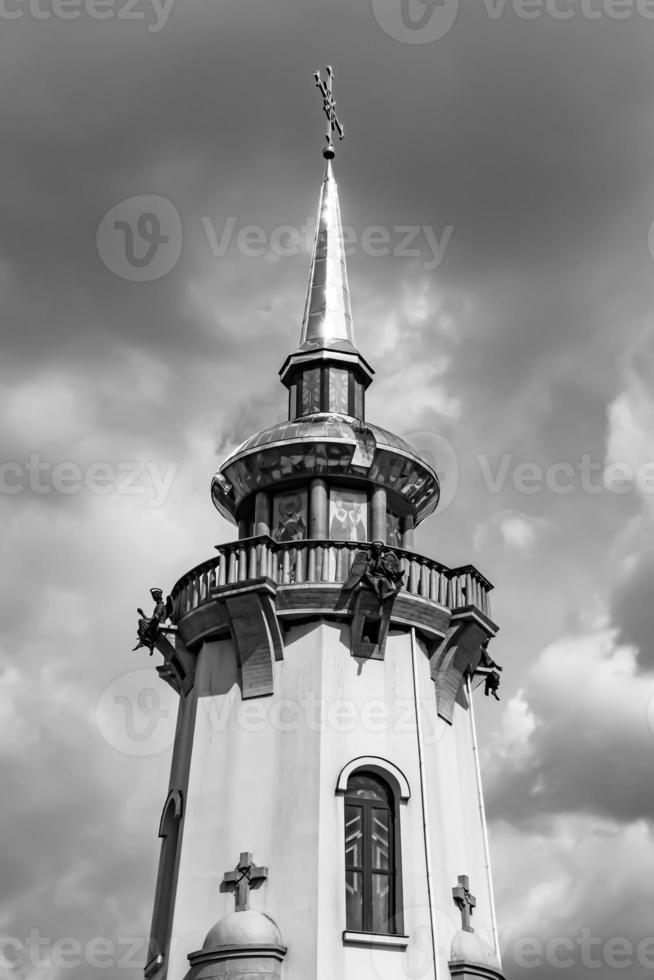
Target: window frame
x,y
398,792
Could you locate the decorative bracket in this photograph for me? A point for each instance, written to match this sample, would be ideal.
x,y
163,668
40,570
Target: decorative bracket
x,y
253,624
459,656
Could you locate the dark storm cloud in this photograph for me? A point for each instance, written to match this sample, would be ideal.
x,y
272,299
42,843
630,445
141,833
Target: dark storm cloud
x,y
585,743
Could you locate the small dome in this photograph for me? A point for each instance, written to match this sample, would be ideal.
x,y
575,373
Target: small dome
x,y
471,948
246,928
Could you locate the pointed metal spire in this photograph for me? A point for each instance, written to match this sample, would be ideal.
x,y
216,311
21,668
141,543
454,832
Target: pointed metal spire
x,y
327,335
327,313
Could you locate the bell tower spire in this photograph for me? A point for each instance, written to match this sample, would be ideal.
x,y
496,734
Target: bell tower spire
x,y
327,312
326,373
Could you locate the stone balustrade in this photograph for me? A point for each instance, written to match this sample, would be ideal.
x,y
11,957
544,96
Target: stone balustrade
x,y
312,562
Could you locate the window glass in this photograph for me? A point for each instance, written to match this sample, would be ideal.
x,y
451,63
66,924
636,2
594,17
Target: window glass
x,y
310,396
348,515
339,390
370,872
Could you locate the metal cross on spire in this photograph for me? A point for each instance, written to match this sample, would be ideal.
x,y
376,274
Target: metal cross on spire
x,y
465,901
329,108
245,877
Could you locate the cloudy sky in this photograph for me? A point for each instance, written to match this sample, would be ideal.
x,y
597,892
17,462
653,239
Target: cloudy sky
x,y
513,340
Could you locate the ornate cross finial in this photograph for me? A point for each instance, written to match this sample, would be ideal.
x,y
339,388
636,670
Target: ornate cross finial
x,y
242,879
465,901
329,108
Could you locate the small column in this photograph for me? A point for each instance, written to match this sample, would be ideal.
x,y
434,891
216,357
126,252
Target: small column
x,y
319,510
378,514
261,513
407,533
243,528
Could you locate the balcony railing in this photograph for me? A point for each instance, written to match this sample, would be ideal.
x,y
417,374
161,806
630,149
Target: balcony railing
x,y
329,562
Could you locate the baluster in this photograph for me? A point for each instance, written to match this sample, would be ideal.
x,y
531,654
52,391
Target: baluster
x,y
433,584
424,579
469,598
222,568
264,560
232,573
326,562
311,563
242,563
349,552
414,573
286,567
252,563
300,564
340,562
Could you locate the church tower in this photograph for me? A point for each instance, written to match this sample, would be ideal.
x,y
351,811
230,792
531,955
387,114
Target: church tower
x,y
324,817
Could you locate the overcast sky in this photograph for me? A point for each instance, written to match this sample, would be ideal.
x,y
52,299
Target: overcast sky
x,y
515,345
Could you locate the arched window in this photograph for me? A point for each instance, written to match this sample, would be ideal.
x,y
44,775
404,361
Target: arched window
x,y
372,852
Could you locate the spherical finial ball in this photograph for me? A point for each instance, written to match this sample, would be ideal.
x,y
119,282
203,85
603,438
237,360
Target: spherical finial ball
x,y
329,152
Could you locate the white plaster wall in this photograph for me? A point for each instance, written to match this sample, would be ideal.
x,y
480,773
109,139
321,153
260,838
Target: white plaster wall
x,y
263,778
